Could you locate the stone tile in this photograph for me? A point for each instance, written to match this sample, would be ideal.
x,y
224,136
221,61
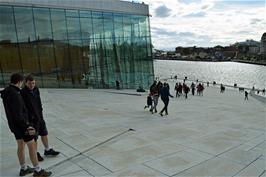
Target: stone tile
x,y
115,159
64,168
242,156
254,169
213,167
175,163
138,171
93,167
76,174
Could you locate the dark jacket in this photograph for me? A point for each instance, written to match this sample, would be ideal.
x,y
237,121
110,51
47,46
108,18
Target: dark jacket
x,y
15,108
33,103
164,92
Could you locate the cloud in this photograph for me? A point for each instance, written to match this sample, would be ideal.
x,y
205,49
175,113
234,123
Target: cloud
x,y
204,7
189,1
255,21
195,15
186,34
162,11
205,23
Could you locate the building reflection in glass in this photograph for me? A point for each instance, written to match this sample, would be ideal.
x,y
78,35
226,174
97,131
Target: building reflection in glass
x,y
75,48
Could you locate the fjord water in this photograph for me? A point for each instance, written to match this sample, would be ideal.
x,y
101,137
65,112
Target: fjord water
x,y
228,73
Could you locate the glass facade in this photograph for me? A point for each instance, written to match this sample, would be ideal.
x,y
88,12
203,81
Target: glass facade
x,y
75,48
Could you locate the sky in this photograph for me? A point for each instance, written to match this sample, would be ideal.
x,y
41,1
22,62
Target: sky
x,y
205,23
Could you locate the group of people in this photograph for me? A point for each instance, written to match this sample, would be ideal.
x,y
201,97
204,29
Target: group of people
x,y
24,113
180,89
158,90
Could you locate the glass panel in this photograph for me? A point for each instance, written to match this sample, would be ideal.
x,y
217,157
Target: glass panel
x,y
9,53
135,21
118,25
45,46
24,23
92,73
75,54
108,25
42,24
73,27
87,60
27,42
86,25
97,20
127,26
143,24
64,68
58,19
72,13
85,14
100,63
7,25
48,64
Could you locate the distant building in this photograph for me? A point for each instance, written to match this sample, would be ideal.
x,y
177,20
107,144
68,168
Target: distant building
x,y
248,46
263,44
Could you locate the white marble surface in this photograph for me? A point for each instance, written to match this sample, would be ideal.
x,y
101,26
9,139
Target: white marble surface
x,y
214,135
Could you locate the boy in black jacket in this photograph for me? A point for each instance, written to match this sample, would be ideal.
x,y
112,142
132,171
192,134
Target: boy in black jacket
x,y
21,126
31,96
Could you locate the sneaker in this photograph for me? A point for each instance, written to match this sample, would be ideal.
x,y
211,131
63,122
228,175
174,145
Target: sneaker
x,y
40,158
161,114
28,170
51,152
42,173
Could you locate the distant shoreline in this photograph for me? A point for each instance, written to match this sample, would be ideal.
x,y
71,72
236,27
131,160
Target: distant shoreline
x,y
238,61
250,62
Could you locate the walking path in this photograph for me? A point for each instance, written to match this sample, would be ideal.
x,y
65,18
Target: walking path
x,y
101,133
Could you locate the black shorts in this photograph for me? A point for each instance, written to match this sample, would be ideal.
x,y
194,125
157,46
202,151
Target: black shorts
x,y
24,137
42,130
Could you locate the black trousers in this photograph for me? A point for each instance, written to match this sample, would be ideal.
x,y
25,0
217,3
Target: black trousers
x,y
165,102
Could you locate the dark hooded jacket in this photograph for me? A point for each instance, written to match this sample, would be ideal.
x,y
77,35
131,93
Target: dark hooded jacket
x,y
15,108
33,103
164,92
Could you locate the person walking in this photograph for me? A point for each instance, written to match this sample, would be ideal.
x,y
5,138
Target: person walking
x,y
246,95
176,90
155,97
193,86
164,92
186,89
32,99
222,88
149,102
21,126
117,84
180,89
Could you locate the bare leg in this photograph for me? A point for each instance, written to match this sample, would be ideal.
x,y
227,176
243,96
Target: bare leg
x,y
45,141
32,152
36,145
21,152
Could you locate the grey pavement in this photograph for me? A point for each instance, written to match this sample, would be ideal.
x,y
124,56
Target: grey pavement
x,y
100,133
